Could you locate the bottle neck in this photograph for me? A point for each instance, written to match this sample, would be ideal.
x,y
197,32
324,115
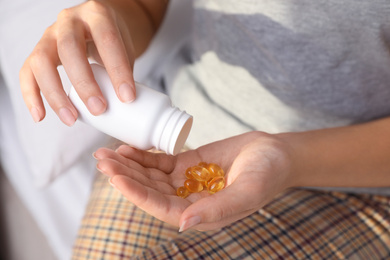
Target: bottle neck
x,y
172,130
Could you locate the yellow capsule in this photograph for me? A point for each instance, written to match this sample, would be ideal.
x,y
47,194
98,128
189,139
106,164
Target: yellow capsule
x,y
216,184
215,170
182,192
203,164
188,173
193,185
200,173
201,177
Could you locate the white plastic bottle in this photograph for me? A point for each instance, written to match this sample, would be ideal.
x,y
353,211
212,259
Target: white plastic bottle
x,y
148,122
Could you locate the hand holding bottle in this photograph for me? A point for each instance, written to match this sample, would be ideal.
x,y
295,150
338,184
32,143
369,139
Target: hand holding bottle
x,y
113,33
149,122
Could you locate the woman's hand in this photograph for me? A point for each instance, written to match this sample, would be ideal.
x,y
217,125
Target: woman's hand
x,y
257,167
92,29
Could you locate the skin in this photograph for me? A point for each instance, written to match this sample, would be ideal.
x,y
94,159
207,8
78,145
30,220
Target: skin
x,y
114,33
258,165
150,180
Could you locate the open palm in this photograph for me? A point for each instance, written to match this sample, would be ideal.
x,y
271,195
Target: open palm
x,y
256,171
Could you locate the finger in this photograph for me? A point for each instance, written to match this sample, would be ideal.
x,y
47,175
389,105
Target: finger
x,y
216,225
219,209
165,208
105,153
112,167
43,63
71,44
162,161
112,50
31,94
197,223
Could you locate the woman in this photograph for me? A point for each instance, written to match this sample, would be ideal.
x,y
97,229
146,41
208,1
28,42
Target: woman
x,y
295,92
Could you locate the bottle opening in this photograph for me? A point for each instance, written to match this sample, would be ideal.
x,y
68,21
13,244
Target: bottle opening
x,y
183,135
175,132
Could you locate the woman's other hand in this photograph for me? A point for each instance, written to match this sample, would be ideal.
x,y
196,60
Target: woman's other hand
x,y
257,167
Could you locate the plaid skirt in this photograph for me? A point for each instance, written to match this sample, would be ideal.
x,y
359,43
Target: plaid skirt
x,y
297,224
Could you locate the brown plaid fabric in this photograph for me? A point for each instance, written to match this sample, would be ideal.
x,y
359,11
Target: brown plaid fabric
x,y
298,224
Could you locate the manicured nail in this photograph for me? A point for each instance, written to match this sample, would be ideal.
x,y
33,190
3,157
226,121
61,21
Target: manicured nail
x,y
188,223
35,114
126,93
112,184
97,168
96,105
66,116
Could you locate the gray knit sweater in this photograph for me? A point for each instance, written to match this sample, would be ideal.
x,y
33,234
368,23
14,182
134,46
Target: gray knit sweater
x,y
283,65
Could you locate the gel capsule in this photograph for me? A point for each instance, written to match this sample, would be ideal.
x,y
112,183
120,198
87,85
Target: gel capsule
x,y
200,173
188,173
215,170
193,185
216,184
203,164
182,192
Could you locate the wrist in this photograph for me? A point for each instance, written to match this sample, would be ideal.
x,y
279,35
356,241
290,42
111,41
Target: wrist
x,y
293,148
282,158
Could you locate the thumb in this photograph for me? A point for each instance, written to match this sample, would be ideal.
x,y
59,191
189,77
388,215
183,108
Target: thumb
x,y
218,210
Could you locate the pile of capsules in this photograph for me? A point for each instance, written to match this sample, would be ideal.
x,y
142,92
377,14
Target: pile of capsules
x,y
204,176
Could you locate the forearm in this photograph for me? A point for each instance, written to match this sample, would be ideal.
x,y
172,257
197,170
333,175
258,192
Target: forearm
x,y
141,17
351,156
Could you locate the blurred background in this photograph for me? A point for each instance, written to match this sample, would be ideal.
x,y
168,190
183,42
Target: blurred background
x,y
17,227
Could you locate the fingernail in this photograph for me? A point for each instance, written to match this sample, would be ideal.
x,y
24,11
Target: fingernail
x,y
66,116
112,184
188,223
94,155
35,114
96,105
126,93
